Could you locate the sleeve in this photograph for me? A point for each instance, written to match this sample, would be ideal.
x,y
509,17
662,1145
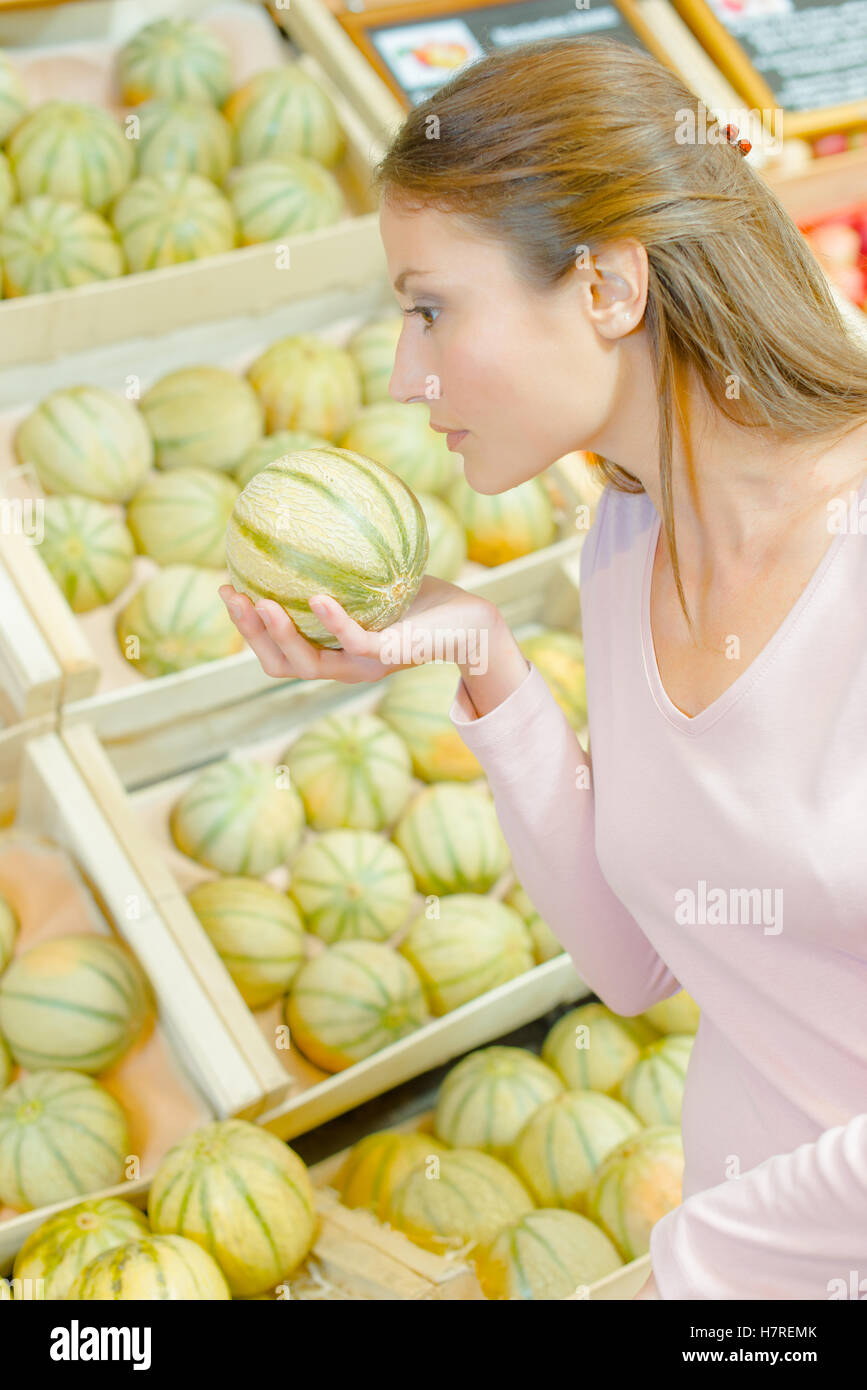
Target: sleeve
x,y
793,1227
541,781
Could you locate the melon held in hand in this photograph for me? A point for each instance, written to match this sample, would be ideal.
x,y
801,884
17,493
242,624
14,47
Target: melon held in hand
x,y
328,521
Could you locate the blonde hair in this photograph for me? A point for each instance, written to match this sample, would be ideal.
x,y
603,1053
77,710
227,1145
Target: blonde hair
x,y
564,144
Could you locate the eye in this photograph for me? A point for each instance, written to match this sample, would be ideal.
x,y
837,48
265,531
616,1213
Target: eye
x,y
423,309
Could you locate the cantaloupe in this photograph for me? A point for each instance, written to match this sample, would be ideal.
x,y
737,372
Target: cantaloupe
x,y
180,516
677,1014
547,1254
463,1198
593,1048
352,772
8,932
190,136
545,944
202,417
352,885
48,245
61,1135
242,1195
172,217
416,706
58,1250
472,945
354,999
305,383
257,932
88,550
8,186
274,446
636,1185
448,540
373,347
504,525
274,198
378,1163
174,58
284,111
450,834
13,96
399,437
563,1143
72,150
559,657
76,1001
653,1086
86,441
487,1099
328,521
238,816
176,620
152,1267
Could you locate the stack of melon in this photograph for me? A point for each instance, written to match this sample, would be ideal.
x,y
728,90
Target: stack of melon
x,y
549,1173
194,168
230,1215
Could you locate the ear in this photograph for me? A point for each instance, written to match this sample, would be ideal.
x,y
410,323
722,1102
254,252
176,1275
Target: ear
x,y
616,280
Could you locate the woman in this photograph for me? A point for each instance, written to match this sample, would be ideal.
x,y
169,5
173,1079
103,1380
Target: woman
x,y
576,277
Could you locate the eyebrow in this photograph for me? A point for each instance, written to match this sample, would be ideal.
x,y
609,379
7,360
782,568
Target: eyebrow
x,y
406,275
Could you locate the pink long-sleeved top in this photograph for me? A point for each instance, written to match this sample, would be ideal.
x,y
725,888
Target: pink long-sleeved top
x,y
725,854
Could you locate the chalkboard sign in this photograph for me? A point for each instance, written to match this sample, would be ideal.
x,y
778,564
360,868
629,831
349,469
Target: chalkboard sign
x,y
416,48
805,58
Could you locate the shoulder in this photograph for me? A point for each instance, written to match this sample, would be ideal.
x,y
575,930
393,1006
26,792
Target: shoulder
x,y
620,528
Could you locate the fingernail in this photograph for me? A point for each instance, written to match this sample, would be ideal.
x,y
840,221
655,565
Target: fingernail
x,y
234,609
319,605
264,615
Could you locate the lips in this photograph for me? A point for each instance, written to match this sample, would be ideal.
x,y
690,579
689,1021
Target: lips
x,y
444,429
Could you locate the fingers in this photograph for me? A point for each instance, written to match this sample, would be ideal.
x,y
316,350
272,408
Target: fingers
x,y
354,639
249,624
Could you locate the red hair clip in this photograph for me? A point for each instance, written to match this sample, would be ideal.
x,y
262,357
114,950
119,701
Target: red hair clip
x,y
731,134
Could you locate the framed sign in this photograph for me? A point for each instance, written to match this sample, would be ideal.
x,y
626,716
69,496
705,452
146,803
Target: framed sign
x,y
417,47
806,58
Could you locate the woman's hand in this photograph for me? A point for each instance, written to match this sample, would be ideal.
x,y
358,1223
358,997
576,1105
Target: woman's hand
x,y
438,607
648,1289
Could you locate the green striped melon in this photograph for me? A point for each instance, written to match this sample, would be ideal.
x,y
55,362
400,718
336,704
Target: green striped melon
x,y
305,383
180,517
373,347
61,1135
487,1099
328,521
677,1014
636,1185
175,58
352,885
58,1250
71,150
416,706
559,657
563,1143
273,447
256,931
545,944
277,198
354,999
352,772
8,187
202,417
505,525
8,932
448,539
152,1267
241,1194
86,441
240,817
50,245
475,944
176,620
6,1065
190,136
13,97
172,217
88,550
399,437
452,838
593,1048
464,1198
653,1086
378,1163
76,1001
282,112
545,1255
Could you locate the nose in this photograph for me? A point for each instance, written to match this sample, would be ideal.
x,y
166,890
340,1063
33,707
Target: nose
x,y
407,381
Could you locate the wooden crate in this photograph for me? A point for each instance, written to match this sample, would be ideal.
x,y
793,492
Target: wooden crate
x,y
301,1096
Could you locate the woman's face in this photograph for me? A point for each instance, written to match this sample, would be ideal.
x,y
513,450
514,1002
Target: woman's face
x,y
527,375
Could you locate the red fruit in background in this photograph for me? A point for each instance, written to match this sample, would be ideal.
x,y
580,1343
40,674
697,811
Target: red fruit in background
x,y
830,144
838,243
849,279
